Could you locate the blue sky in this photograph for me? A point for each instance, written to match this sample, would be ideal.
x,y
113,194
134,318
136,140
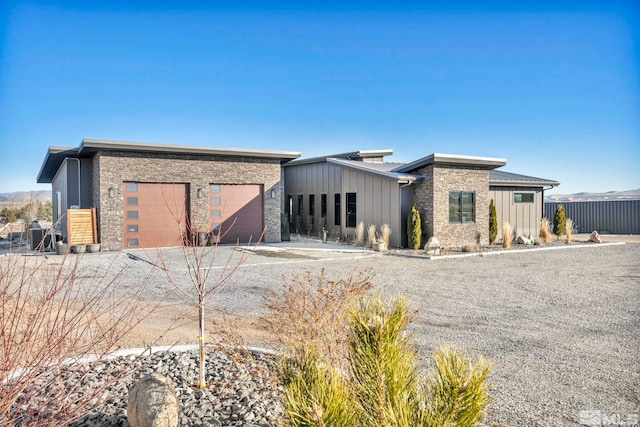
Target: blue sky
x,y
552,87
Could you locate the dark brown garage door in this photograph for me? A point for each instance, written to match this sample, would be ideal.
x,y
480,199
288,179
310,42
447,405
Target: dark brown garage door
x,y
237,211
154,214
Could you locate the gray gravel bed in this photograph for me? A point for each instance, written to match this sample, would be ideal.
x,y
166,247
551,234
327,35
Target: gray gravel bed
x,y
242,390
561,327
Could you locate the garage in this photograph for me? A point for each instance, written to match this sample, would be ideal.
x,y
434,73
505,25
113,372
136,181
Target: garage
x,y
155,214
236,212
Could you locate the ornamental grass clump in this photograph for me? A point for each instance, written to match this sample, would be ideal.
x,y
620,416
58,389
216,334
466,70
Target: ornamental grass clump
x,y
371,235
545,234
506,235
381,384
360,234
385,234
568,230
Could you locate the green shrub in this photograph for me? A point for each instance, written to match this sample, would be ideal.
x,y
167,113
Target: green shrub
x,y
382,385
414,228
493,223
559,221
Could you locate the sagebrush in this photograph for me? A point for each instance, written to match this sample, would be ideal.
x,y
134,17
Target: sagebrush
x,y
310,311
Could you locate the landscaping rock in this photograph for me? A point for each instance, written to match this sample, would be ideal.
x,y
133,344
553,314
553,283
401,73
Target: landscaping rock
x,y
595,237
521,240
433,246
153,403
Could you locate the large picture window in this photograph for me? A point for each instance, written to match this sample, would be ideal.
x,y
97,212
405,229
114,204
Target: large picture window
x,y
462,206
351,210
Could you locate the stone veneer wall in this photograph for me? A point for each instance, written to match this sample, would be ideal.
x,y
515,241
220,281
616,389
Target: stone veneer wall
x,y
432,199
111,169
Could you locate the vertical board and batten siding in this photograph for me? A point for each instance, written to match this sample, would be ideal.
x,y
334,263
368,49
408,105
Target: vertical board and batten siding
x,y
377,202
316,179
523,217
607,216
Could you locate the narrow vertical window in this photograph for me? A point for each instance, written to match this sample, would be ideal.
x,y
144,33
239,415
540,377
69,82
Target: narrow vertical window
x,y
337,213
300,204
351,209
323,208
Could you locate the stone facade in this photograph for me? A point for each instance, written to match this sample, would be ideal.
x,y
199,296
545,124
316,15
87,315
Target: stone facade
x,y
431,197
111,169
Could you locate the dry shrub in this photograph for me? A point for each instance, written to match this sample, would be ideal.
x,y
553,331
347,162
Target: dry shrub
x,y
371,235
545,234
569,230
311,312
473,247
385,234
52,315
506,235
360,234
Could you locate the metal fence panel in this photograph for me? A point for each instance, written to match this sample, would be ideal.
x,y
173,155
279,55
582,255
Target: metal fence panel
x,y
607,216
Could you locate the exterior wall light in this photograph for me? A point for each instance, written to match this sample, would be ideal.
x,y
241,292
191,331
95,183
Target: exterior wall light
x,y
112,192
200,193
273,193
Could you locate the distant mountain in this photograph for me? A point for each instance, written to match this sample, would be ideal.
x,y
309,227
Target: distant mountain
x,y
583,197
20,198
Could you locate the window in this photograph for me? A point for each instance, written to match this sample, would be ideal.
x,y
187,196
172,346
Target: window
x,y
132,228
132,201
461,206
215,214
312,204
323,208
522,197
132,214
215,201
300,204
215,188
132,243
351,209
337,213
132,186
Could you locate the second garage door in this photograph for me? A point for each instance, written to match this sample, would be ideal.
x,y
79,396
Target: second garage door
x,y
237,211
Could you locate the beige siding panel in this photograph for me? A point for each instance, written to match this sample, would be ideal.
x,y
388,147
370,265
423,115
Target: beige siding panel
x,y
523,217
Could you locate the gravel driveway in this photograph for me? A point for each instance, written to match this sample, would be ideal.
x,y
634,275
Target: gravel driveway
x,y
561,327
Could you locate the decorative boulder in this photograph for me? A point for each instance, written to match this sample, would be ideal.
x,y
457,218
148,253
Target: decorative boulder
x,y
433,246
521,240
153,403
595,237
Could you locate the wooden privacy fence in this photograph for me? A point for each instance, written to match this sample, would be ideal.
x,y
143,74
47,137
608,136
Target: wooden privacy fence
x,y
81,226
607,216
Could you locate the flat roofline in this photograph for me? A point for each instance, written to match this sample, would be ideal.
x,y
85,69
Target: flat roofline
x,y
56,154
453,159
90,145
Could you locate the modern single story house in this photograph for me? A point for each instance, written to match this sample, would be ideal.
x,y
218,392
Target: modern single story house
x,y
137,195
451,192
151,195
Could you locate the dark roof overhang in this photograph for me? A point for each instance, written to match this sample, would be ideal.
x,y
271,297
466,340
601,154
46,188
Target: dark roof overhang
x,y
56,155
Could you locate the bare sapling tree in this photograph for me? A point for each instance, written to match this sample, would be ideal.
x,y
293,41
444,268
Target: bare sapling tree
x,y
55,315
207,272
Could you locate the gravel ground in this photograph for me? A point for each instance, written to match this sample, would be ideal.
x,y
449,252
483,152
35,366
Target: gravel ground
x,y
560,326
